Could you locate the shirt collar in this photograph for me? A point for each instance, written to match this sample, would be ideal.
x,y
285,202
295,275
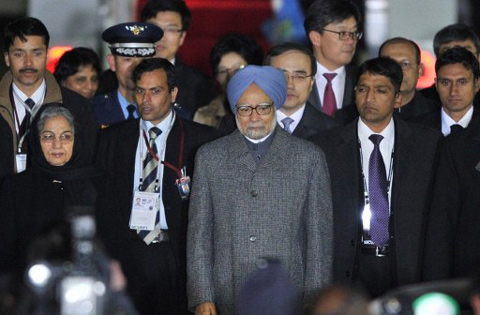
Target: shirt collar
x,y
163,125
364,131
447,121
37,96
341,72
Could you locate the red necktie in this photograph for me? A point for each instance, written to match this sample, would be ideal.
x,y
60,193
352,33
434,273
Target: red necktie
x,y
329,102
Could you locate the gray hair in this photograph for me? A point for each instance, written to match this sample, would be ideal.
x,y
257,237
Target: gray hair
x,y
54,111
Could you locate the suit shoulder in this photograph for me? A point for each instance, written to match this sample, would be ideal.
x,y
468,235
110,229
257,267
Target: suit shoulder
x,y
119,129
423,131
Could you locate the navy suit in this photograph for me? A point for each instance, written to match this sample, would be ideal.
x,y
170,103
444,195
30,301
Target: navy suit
x,y
107,109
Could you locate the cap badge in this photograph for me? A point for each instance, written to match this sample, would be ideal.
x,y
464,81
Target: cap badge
x,y
136,30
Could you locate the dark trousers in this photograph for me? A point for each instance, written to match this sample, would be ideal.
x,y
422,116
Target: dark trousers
x,y
153,283
374,274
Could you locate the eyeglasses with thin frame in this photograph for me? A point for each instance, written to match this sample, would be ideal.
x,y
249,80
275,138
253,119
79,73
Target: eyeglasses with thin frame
x,y
230,71
297,77
64,138
346,35
172,30
261,109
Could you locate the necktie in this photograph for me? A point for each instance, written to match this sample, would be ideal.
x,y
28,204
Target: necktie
x,y
455,128
26,120
150,169
377,186
329,102
287,121
131,111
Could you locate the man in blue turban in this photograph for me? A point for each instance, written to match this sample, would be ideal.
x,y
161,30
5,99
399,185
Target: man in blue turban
x,y
258,192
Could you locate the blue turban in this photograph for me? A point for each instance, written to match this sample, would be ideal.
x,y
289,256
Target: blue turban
x,y
271,80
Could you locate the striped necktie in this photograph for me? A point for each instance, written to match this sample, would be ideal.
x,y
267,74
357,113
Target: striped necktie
x,y
150,171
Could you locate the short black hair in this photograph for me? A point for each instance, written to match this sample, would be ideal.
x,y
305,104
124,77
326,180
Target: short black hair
x,y
454,33
244,45
402,40
152,64
72,60
384,66
23,27
151,9
459,55
323,12
288,46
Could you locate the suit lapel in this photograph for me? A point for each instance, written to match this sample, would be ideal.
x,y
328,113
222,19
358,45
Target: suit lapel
x,y
314,97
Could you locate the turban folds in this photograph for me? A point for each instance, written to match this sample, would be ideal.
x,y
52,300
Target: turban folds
x,y
271,80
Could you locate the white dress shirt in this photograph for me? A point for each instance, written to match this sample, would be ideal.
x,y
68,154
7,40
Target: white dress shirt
x,y
297,116
447,121
142,151
338,83
21,108
386,148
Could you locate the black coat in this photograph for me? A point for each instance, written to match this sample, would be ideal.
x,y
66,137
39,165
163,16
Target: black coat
x,y
116,157
453,235
80,107
414,164
418,106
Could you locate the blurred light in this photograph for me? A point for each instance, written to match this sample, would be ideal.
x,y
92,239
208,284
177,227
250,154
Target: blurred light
x,y
55,53
428,77
39,275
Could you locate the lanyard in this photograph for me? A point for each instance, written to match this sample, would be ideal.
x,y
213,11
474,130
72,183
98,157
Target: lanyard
x,y
389,177
176,169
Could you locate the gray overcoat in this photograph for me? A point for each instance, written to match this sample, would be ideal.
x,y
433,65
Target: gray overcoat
x,y
241,211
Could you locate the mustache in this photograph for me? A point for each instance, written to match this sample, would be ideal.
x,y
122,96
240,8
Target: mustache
x,y
28,69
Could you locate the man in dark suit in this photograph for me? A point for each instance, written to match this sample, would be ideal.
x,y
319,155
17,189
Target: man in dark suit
x,y
407,54
194,88
453,233
457,84
454,35
26,87
129,44
297,116
332,27
381,171
148,237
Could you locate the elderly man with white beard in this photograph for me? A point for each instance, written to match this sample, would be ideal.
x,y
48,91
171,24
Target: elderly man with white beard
x,y
258,192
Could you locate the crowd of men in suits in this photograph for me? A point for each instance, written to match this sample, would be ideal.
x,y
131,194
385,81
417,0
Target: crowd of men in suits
x,y
343,174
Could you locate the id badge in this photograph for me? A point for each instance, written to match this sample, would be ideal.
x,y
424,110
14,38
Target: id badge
x,y
144,211
183,185
21,162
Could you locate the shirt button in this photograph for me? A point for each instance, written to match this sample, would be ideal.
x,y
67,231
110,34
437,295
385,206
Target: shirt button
x,y
252,238
254,193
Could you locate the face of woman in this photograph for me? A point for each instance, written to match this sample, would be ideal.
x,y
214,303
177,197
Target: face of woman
x,y
56,140
229,64
84,82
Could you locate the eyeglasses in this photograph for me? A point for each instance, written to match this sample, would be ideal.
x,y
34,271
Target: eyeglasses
x,y
346,35
229,71
261,109
172,30
297,77
50,138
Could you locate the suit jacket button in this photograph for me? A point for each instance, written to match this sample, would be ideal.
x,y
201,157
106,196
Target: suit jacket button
x,y
252,238
347,273
254,193
352,242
